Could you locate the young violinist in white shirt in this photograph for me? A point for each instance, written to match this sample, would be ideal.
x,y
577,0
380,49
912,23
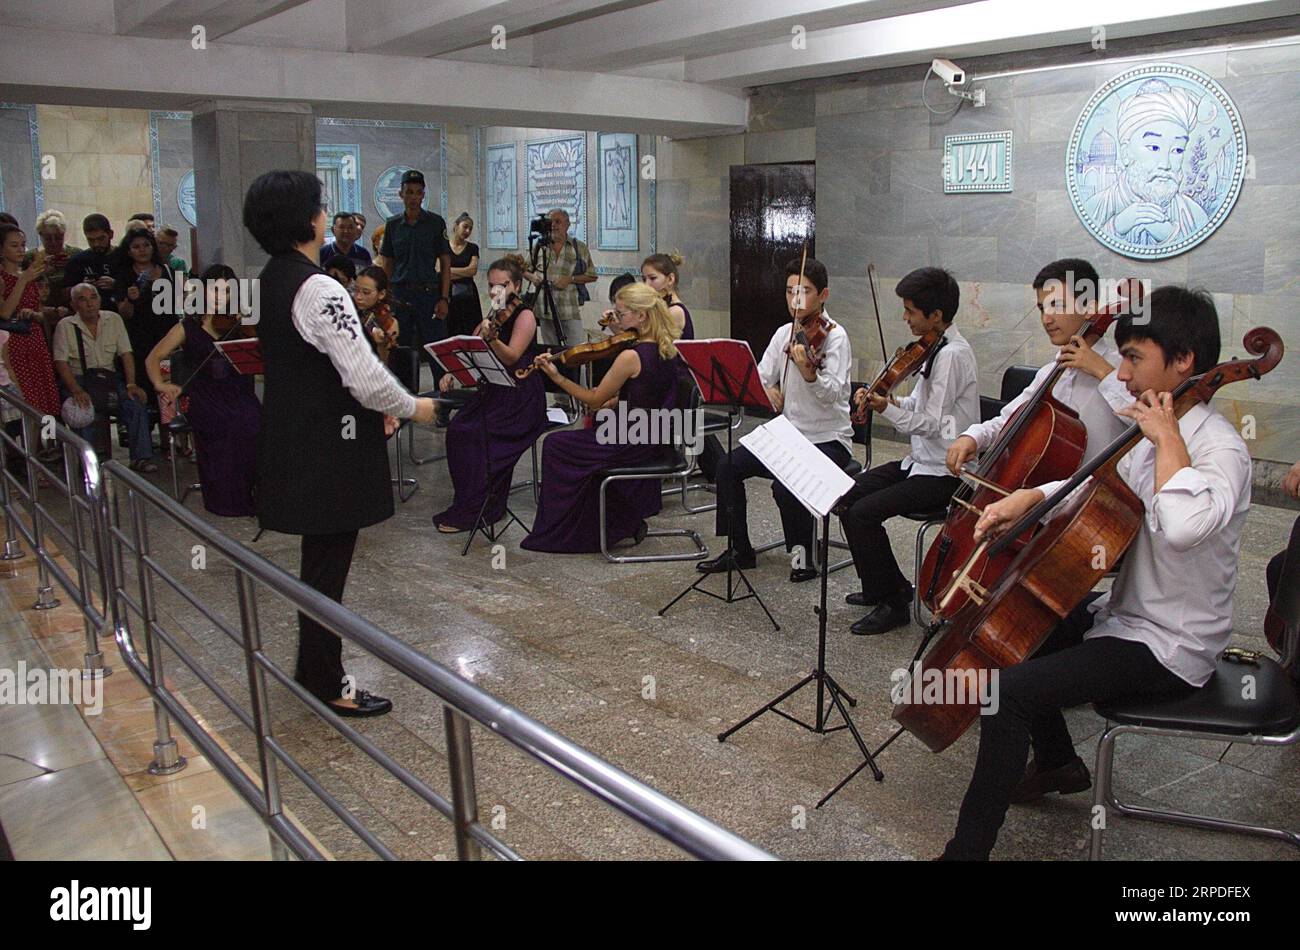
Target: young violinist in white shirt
x,y
1160,628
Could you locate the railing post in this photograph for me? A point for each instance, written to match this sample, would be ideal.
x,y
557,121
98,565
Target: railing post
x,y
13,547
464,796
166,755
257,693
45,599
94,667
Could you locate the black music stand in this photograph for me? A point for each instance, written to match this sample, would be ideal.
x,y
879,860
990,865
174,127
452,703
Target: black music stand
x,y
472,362
825,682
727,376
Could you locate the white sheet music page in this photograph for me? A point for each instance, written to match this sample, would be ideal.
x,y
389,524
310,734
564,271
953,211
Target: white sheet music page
x,y
798,464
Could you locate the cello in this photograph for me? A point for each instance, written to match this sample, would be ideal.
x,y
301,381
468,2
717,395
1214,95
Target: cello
x,y
1043,441
1004,624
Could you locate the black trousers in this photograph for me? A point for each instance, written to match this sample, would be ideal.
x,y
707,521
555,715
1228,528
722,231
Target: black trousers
x,y
1066,671
878,495
326,560
796,522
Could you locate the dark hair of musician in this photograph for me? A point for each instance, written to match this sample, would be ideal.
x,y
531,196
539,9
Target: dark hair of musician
x,y
1179,321
1084,275
931,289
7,218
378,275
665,264
141,216
343,264
226,273
280,208
813,269
95,222
7,229
618,283
511,264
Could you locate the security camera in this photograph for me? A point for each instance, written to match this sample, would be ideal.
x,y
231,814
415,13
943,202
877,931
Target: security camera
x,y
949,72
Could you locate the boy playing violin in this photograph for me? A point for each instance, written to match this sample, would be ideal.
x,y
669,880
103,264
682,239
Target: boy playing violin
x,y
945,401
812,390
1160,628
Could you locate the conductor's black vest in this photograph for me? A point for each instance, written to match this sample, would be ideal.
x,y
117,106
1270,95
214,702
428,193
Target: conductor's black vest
x,y
322,463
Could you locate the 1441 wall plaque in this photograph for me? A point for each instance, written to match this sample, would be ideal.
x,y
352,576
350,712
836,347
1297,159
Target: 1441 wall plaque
x,y
977,161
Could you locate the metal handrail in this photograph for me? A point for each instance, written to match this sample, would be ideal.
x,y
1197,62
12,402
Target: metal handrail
x,y
648,807
98,494
80,481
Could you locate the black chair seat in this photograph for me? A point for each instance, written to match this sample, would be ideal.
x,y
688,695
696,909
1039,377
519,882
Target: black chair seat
x,y
854,467
1218,706
669,462
179,424
716,421
938,514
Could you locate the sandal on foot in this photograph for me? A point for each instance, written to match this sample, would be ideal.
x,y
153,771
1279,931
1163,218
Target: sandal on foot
x,y
147,466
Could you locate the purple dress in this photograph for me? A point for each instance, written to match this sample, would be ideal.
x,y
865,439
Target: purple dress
x,y
568,518
516,419
688,331
226,416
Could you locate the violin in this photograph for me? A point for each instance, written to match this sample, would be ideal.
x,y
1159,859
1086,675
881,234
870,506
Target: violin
x,y
1043,441
585,353
906,363
500,316
810,332
225,324
380,317
1007,621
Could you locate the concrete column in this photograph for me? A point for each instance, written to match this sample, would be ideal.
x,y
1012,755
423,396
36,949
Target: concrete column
x,y
234,142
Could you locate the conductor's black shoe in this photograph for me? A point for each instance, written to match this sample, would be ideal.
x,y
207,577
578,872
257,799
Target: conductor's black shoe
x,y
859,599
728,560
800,574
367,704
1068,779
885,617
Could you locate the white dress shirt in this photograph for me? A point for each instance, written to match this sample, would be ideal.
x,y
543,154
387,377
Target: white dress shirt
x,y
1094,400
939,408
325,316
1174,589
820,409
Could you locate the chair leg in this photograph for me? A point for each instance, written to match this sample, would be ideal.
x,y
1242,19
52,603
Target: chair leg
x,y
1101,790
701,550
917,605
1106,797
406,487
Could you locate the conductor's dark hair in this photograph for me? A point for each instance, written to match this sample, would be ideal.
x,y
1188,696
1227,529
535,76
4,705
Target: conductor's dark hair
x,y
618,283
280,207
931,289
1074,273
813,269
1179,321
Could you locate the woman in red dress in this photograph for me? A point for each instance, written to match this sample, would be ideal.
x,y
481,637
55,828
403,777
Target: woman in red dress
x,y
29,356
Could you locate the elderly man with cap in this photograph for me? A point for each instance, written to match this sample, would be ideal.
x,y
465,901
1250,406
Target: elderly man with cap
x,y
417,258
1145,205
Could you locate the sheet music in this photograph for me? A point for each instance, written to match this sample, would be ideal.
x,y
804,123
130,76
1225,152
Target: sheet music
x,y
798,464
472,355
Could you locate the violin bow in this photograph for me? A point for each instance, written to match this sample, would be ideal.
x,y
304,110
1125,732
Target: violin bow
x,y
803,261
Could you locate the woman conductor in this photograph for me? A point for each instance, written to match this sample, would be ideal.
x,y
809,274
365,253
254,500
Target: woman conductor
x,y
328,405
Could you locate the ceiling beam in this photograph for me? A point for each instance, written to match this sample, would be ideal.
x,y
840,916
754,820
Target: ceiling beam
x,y
177,18
50,67
421,28
690,28
984,27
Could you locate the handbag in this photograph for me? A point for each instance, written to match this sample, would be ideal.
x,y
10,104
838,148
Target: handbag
x,y
99,384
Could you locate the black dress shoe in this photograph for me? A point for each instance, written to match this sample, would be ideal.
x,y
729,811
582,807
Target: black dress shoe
x,y
885,617
728,560
800,574
859,599
1068,779
367,704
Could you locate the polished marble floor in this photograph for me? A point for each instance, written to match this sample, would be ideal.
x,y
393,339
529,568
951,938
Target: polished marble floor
x,y
576,642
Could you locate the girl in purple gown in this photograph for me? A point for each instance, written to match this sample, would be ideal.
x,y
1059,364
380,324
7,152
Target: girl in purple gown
x,y
573,461
223,408
515,418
